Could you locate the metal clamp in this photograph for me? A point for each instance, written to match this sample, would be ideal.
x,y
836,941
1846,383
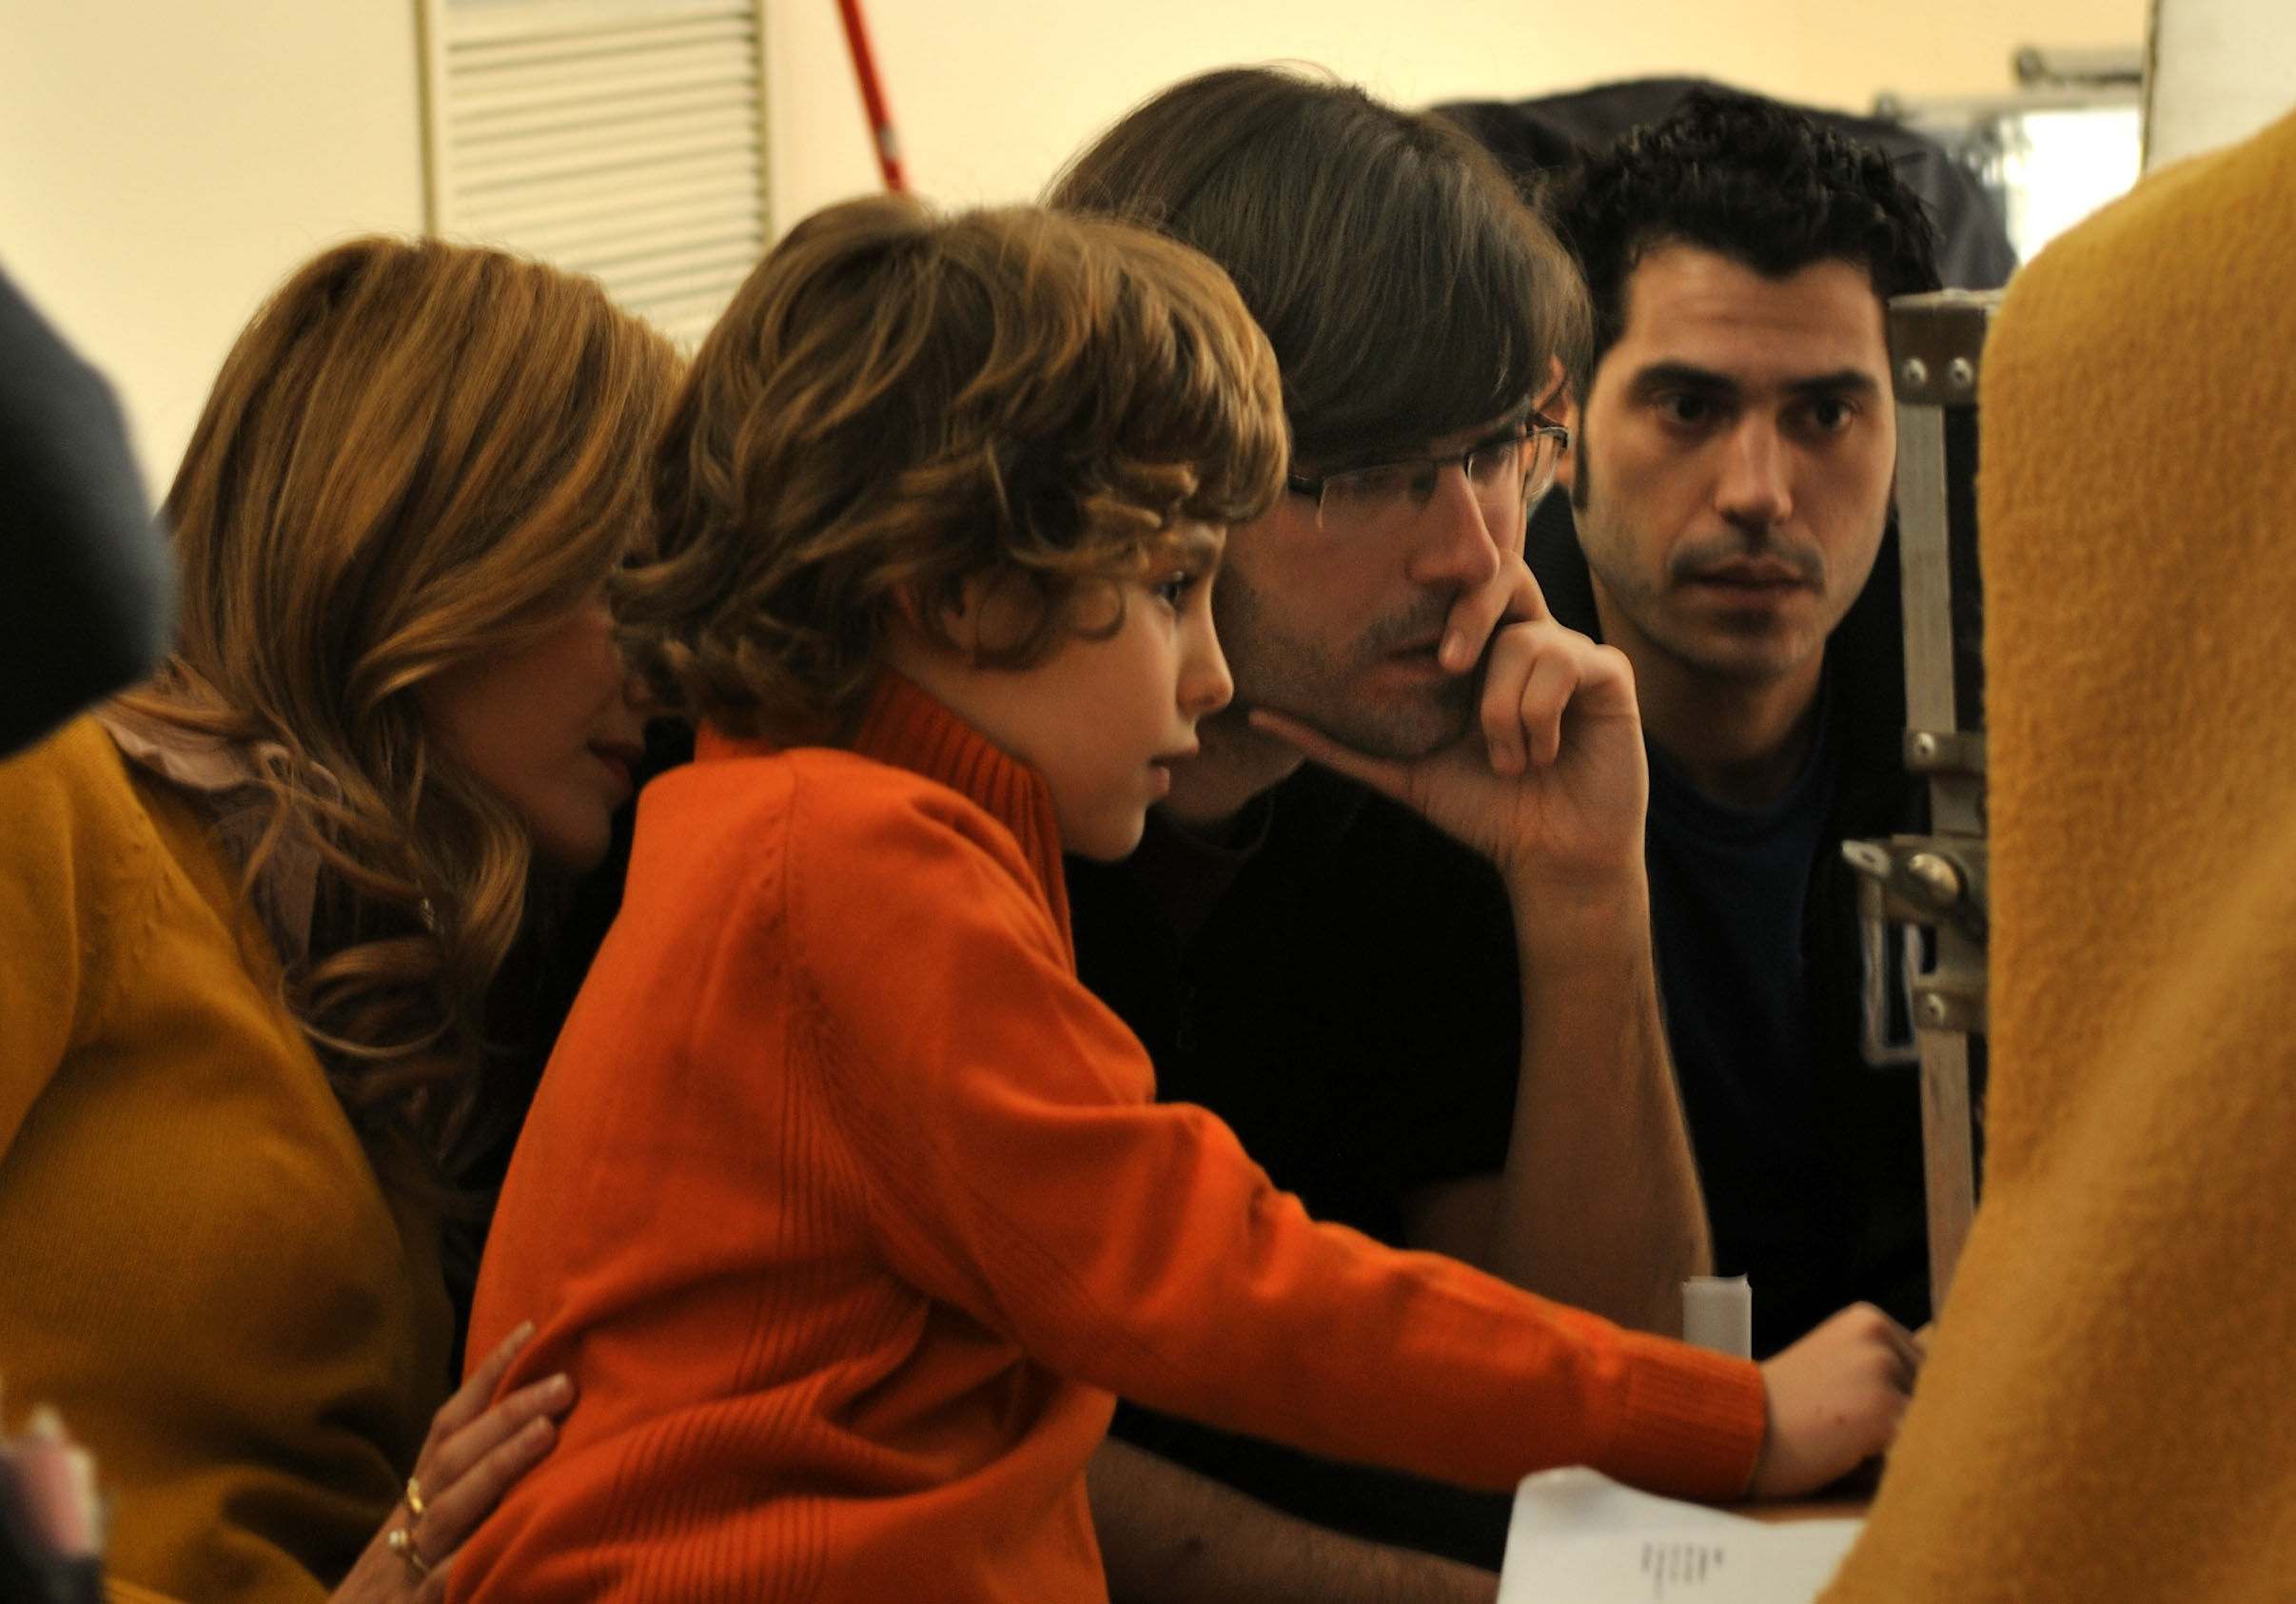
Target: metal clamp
x,y
1934,880
1937,343
1945,752
1938,882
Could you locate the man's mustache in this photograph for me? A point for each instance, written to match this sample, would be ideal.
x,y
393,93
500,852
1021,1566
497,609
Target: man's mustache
x,y
1418,624
1699,558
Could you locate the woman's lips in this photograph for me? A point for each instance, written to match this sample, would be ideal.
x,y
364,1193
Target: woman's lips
x,y
619,761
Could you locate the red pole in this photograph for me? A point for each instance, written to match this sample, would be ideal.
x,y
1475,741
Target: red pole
x,y
872,97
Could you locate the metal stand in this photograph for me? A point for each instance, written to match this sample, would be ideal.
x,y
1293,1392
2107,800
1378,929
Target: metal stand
x,y
1937,881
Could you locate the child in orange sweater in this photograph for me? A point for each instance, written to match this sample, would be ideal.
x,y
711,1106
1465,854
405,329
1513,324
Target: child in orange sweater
x,y
847,1208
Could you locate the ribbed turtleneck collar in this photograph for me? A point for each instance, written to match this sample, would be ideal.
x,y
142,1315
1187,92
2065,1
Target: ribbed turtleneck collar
x,y
908,729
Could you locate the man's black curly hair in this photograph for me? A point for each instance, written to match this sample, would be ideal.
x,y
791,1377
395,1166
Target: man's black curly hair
x,y
1750,180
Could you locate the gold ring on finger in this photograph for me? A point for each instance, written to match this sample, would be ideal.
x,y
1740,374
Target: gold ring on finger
x,y
403,1544
414,1495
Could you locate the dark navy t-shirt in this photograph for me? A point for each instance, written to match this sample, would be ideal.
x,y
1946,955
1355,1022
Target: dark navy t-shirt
x,y
1728,889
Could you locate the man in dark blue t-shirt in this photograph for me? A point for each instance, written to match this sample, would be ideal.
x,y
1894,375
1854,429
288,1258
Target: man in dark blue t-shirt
x,y
1729,485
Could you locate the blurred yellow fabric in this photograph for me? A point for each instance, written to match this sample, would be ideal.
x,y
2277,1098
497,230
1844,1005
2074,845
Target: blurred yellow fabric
x,y
2110,1408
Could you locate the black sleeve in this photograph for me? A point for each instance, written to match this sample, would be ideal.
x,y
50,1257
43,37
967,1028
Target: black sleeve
x,y
85,587
1429,994
1354,1015
1381,1506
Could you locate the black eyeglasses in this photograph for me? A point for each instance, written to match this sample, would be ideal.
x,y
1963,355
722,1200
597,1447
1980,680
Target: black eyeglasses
x,y
1507,472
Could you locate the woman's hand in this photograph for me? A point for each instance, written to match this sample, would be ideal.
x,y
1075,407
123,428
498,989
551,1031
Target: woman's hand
x,y
472,1456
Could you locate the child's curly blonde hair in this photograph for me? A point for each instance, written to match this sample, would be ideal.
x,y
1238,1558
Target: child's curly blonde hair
x,y
899,403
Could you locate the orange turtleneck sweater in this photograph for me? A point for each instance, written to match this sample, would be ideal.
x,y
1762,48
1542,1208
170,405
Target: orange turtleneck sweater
x,y
848,1209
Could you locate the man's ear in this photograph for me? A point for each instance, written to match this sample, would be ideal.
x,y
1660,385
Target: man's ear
x,y
1565,410
1556,393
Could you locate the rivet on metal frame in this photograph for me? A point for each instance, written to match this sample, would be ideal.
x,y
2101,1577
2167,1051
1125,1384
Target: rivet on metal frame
x,y
1939,880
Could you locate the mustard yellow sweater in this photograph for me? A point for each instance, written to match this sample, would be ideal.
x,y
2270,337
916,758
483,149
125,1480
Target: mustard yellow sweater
x,y
197,1265
2110,1408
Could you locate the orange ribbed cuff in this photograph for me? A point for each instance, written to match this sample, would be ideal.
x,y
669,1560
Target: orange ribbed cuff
x,y
1693,1423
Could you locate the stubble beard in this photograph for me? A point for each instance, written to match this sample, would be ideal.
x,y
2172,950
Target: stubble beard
x,y
1285,671
1751,651
1754,652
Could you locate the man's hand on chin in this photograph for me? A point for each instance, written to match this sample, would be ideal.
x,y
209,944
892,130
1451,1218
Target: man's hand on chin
x,y
1552,782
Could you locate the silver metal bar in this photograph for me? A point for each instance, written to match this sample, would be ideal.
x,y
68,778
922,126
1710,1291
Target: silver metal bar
x,y
1946,1152
1924,560
1938,881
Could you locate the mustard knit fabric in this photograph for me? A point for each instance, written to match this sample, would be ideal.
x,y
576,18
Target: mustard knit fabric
x,y
197,1264
2110,1408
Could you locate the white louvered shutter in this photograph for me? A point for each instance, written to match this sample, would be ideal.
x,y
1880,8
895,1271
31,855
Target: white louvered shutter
x,y
619,138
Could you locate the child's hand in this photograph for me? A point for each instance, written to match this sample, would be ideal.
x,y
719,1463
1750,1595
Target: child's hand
x,y
1834,1400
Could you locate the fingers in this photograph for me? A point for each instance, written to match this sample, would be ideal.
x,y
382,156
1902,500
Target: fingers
x,y
470,1397
1538,671
477,1449
1511,597
1522,707
1898,1350
1911,1348
1884,1356
486,1460
1502,712
1835,1399
539,1402
525,1424
395,1567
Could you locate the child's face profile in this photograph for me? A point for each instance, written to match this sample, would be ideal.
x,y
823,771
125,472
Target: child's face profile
x,y
1104,717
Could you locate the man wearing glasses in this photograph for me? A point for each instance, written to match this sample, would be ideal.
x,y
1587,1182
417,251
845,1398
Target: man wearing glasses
x,y
1423,1000
1731,484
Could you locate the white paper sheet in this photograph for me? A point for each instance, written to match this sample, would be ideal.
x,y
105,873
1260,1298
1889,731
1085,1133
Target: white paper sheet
x,y
1578,1538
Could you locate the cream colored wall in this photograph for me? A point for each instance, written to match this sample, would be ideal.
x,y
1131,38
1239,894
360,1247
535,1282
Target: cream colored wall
x,y
2222,69
989,100
163,163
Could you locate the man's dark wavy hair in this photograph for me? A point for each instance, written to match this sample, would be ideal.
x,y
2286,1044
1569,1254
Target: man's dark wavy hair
x,y
1748,179
1408,289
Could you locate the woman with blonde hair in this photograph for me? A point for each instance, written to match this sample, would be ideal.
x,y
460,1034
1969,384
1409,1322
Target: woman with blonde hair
x,y
254,919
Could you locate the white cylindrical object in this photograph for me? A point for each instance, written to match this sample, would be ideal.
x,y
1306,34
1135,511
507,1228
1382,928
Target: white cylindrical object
x,y
1717,1313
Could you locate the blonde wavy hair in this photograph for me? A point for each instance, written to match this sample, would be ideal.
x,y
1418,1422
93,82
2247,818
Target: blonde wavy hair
x,y
417,454
899,403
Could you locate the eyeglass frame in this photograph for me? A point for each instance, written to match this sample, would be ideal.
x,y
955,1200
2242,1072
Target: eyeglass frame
x,y
1537,427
